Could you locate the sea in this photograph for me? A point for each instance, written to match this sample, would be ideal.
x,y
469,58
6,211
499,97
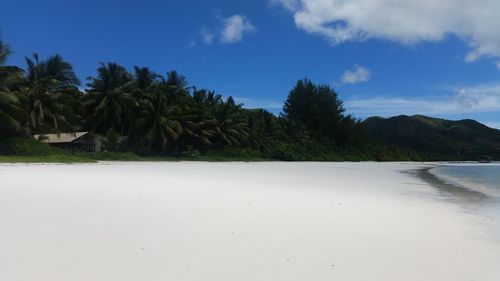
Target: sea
x,y
478,177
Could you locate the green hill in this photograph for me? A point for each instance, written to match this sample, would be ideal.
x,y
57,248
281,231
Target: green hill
x,y
436,139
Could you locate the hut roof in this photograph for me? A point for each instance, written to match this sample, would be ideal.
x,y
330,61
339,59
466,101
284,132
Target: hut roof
x,y
60,138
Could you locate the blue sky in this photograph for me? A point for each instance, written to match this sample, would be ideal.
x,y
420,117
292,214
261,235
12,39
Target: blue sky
x,y
388,58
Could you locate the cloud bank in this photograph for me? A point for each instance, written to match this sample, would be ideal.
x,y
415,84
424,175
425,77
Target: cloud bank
x,y
476,99
408,22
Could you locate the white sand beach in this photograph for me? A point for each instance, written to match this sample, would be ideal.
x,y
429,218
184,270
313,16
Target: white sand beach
x,y
236,221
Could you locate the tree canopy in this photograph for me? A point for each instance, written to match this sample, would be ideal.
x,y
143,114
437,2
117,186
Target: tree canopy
x,y
148,113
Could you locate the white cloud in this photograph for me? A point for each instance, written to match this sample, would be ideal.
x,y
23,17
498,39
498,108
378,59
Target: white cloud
x,y
358,75
291,5
405,21
231,29
234,28
477,99
206,35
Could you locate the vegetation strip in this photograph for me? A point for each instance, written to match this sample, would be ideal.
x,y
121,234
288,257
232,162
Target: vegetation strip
x,y
144,115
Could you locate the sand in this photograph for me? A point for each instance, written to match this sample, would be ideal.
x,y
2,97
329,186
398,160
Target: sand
x,y
236,221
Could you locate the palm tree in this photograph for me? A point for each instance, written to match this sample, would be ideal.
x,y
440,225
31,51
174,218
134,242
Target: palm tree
x,y
8,74
43,88
196,129
11,114
175,79
158,121
5,51
232,126
145,81
10,77
204,103
110,99
175,86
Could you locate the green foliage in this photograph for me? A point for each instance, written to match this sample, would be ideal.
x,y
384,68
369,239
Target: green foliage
x,y
322,113
43,94
143,115
191,152
5,51
158,122
113,141
11,114
44,159
435,139
110,101
111,156
22,150
27,147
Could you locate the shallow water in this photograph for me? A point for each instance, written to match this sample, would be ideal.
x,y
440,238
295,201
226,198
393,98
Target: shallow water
x,y
484,178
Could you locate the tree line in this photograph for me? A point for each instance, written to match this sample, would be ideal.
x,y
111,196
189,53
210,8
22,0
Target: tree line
x,y
148,113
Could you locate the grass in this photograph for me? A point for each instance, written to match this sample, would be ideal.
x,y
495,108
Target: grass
x,y
115,156
44,159
17,150
28,151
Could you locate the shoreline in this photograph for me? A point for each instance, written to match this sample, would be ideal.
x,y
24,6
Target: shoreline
x,y
452,190
448,180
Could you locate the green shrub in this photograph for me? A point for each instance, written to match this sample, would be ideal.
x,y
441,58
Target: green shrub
x,y
28,147
112,156
229,154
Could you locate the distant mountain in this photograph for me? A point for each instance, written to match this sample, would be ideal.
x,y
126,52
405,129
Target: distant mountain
x,y
437,139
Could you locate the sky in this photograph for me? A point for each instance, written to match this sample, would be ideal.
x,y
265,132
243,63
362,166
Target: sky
x,y
383,57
